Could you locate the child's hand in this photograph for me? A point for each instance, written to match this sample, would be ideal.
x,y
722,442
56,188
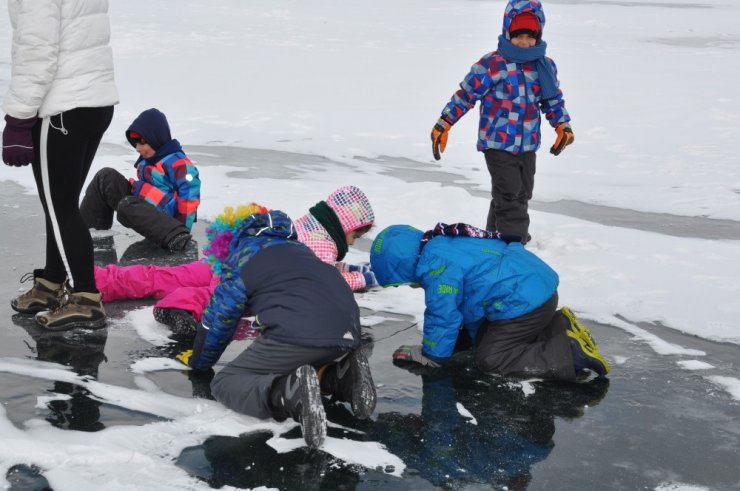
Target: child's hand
x,y
412,354
440,132
370,280
359,268
565,138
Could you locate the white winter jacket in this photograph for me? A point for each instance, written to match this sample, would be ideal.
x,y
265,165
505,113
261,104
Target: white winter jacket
x,y
61,58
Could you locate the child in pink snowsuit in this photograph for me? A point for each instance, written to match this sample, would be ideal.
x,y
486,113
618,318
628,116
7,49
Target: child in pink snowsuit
x,y
184,291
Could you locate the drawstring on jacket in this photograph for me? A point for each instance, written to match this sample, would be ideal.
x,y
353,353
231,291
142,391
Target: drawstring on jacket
x,y
61,124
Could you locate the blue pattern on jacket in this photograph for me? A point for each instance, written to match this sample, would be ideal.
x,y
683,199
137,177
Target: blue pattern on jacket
x,y
228,302
509,96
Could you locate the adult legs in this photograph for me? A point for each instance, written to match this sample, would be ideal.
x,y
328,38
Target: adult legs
x,y
512,182
67,145
533,345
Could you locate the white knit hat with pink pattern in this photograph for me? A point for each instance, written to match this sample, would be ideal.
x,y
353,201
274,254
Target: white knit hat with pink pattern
x,y
352,207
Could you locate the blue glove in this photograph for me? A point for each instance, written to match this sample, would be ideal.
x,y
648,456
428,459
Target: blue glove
x,y
370,280
413,354
359,268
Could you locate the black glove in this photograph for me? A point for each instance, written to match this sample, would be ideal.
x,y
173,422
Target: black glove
x,y
201,380
18,141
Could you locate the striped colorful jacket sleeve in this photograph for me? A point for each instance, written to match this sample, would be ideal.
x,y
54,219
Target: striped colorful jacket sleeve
x,y
186,180
172,185
220,320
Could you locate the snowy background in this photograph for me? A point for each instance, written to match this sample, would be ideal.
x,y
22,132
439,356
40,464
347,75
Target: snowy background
x,y
651,88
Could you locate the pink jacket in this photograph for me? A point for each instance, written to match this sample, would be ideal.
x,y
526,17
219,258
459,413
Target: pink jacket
x,y
316,237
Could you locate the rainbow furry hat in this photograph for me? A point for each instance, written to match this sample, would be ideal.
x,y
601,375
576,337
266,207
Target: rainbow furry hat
x,y
220,232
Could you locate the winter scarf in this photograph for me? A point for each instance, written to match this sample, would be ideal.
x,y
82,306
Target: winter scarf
x,y
329,219
464,230
548,83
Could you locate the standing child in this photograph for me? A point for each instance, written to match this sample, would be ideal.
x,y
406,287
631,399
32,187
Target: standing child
x,y
161,204
513,84
482,290
309,321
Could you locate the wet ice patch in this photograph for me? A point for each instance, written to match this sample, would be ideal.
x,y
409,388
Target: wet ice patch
x,y
694,365
466,414
143,457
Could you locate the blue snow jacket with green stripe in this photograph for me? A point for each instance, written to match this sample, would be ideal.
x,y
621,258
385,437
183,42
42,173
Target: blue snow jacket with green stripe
x,y
466,281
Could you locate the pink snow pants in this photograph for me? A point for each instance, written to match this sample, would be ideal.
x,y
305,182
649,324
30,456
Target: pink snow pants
x,y
187,286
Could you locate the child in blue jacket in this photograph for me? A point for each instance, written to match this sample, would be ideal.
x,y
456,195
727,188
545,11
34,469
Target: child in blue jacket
x,y
162,202
479,288
513,84
310,330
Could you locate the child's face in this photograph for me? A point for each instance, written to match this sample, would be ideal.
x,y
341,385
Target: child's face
x,y
145,150
353,236
523,41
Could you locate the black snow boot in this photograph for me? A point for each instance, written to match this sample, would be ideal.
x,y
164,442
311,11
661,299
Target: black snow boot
x,y
350,380
298,396
181,322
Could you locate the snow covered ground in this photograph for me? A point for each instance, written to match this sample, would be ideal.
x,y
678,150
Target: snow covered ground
x,y
650,86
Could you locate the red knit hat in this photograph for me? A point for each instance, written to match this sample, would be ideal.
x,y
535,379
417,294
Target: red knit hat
x,y
525,23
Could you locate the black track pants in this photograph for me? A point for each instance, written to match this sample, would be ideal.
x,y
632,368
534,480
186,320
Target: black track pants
x,y
66,144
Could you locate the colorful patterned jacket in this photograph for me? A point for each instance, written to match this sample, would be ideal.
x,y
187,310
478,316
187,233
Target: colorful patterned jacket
x,y
295,297
509,96
168,180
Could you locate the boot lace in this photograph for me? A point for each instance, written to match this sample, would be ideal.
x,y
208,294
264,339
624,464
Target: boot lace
x,y
65,300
